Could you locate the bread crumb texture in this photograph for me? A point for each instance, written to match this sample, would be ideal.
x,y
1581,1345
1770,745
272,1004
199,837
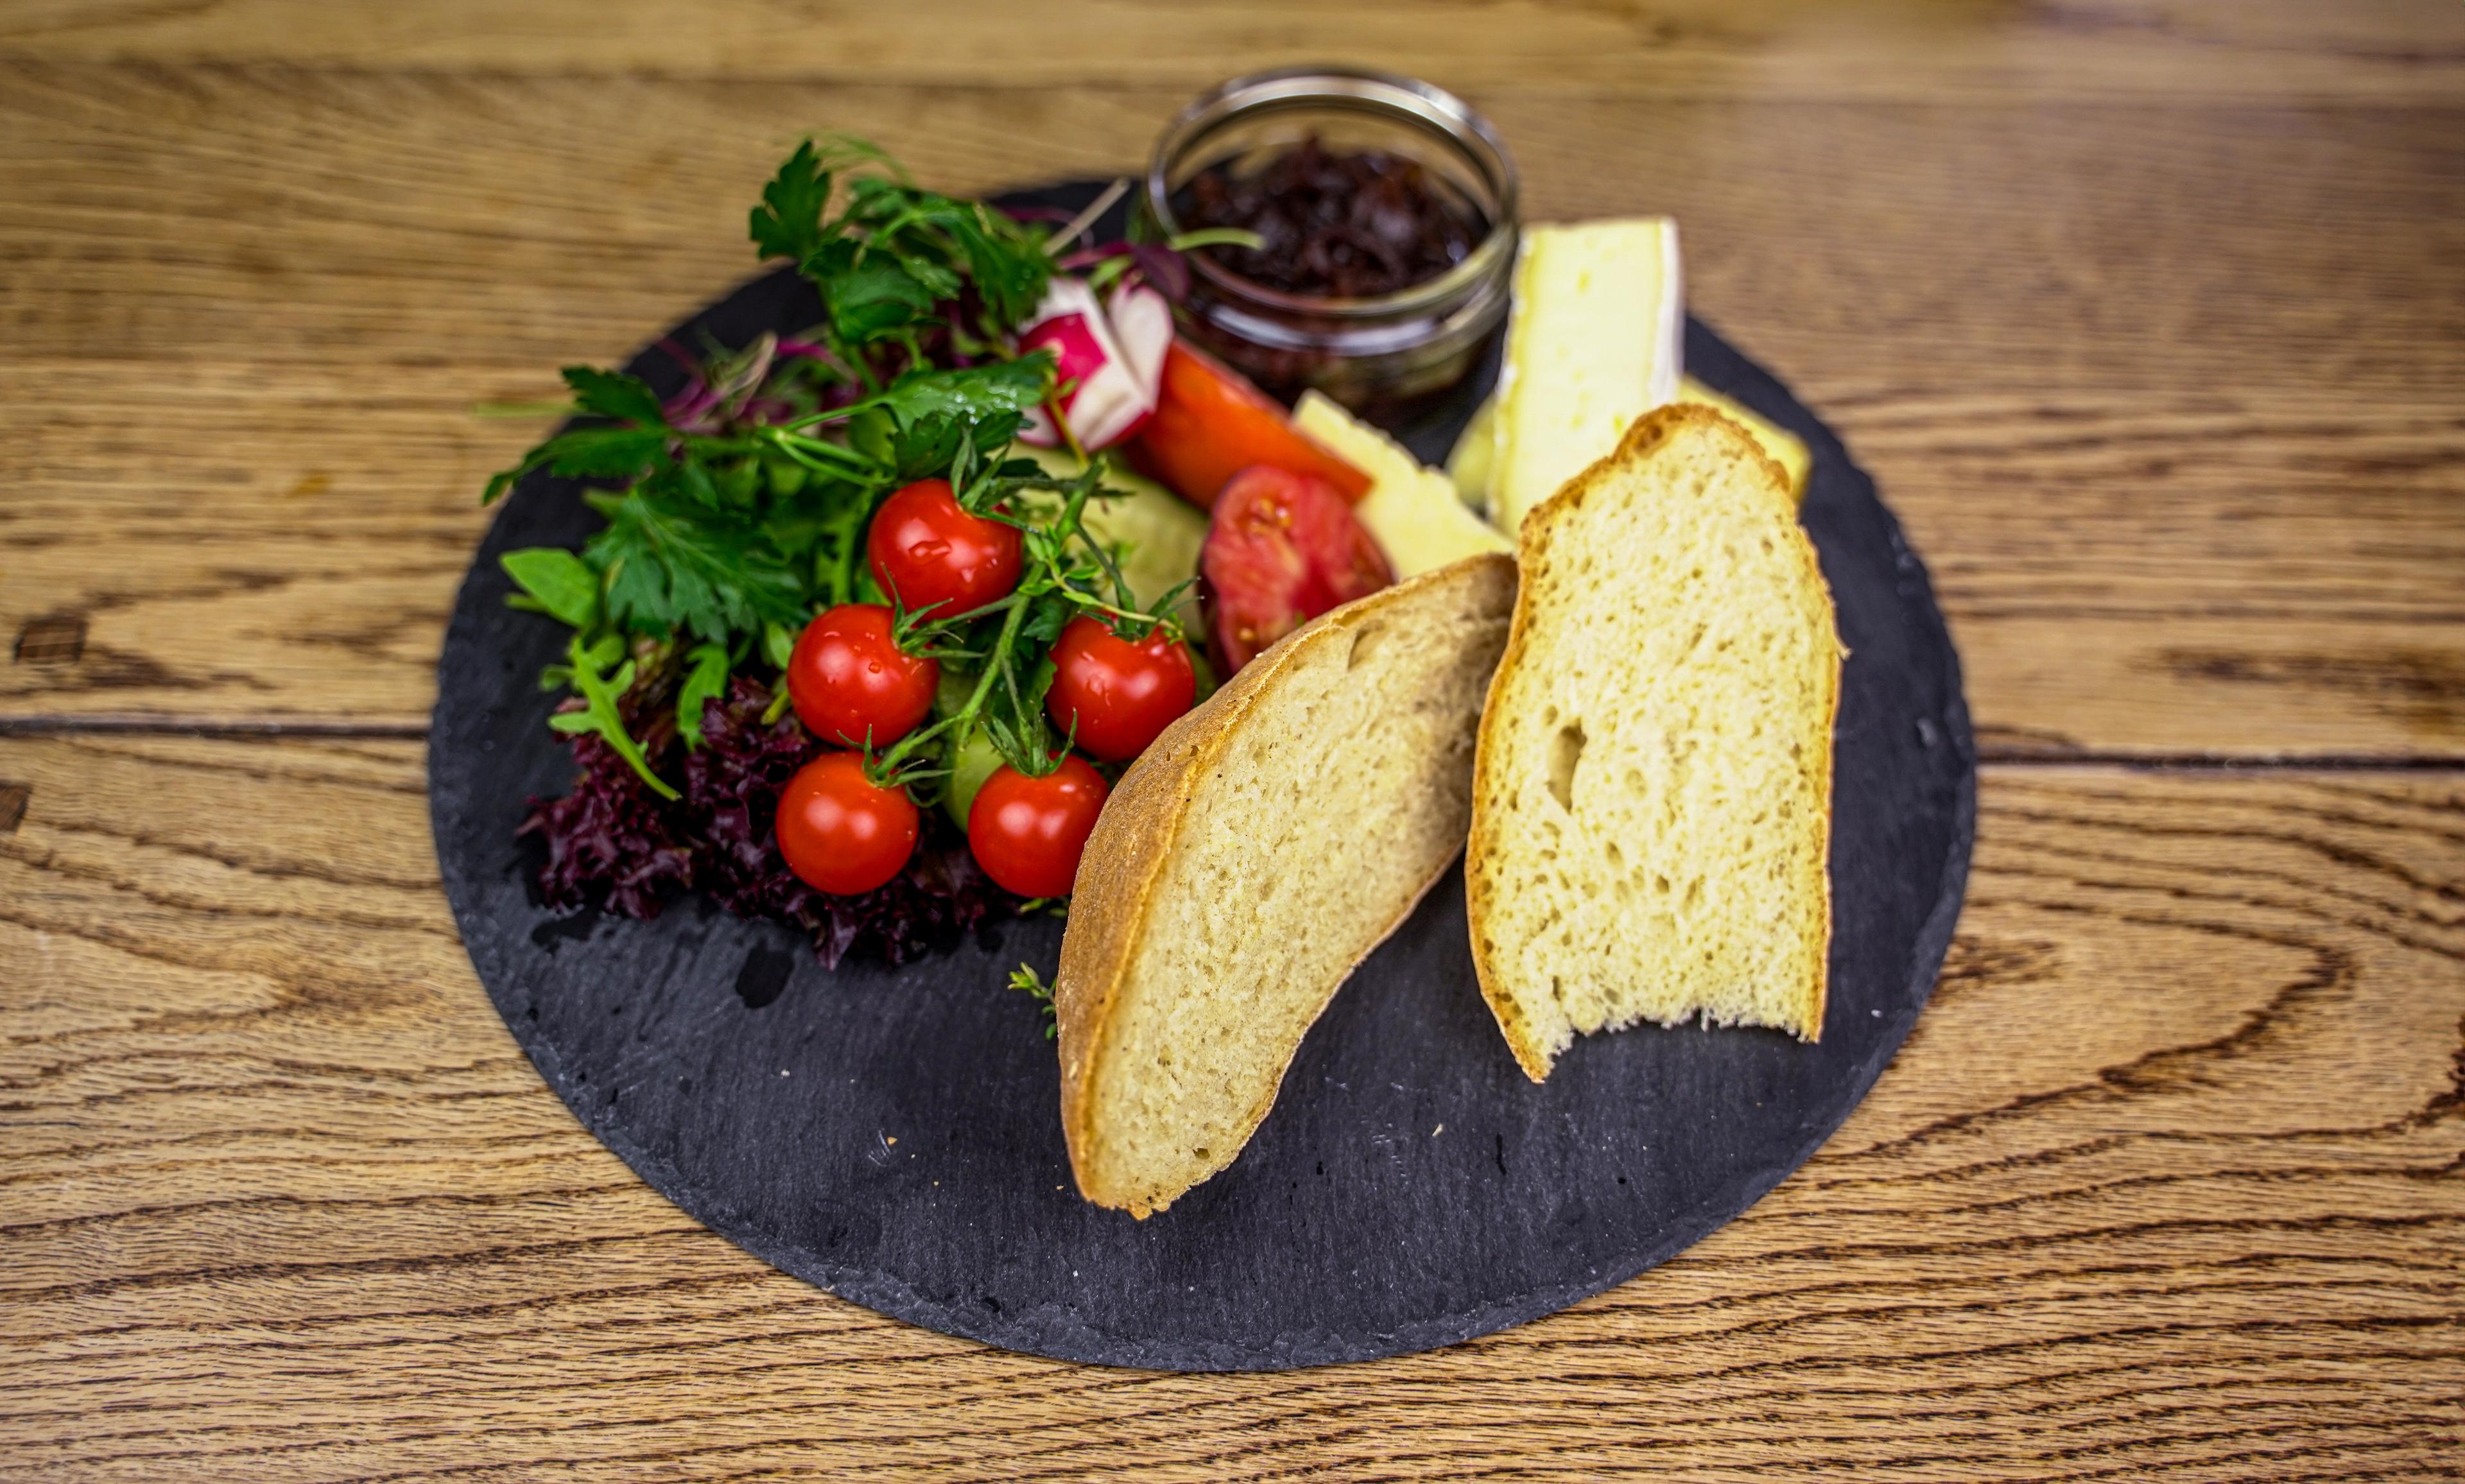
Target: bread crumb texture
x,y
1310,806
1652,810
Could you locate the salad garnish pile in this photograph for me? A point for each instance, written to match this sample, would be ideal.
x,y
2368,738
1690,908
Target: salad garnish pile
x,y
850,650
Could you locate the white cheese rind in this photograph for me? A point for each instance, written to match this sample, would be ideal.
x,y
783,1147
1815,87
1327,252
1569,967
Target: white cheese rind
x,y
1412,513
1596,340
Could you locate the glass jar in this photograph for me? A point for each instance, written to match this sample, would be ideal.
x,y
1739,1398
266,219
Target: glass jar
x,y
1386,356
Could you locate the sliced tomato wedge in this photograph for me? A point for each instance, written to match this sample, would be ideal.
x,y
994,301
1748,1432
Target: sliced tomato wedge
x,y
1281,549
1210,424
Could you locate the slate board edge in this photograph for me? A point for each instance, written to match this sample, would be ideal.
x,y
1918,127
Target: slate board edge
x,y
1059,1333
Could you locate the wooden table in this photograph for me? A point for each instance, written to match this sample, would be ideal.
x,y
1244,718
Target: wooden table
x,y
2148,317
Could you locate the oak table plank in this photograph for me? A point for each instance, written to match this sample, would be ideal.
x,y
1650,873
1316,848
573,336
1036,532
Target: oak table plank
x,y
2170,1177
265,212
2274,50
2178,500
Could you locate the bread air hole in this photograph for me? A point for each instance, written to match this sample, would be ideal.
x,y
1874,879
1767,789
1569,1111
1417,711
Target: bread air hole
x,y
1566,752
1365,640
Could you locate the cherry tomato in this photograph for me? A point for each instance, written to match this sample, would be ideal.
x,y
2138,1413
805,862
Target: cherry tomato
x,y
1281,550
850,684
928,552
842,832
1210,424
1028,833
1111,695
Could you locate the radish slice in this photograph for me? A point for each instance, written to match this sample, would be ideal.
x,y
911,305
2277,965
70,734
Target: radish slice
x,y
1101,393
1143,323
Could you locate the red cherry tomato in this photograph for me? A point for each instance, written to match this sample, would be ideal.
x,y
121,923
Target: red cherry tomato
x,y
1111,695
851,684
842,832
1281,550
1028,833
1210,424
929,553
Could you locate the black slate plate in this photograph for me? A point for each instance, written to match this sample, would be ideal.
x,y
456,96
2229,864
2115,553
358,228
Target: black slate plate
x,y
891,1134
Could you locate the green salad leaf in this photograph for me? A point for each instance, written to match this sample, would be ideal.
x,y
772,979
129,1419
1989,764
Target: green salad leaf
x,y
969,394
558,582
673,568
789,221
613,394
895,260
705,680
599,713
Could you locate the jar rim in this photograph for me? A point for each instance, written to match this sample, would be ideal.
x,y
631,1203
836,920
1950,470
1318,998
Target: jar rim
x,y
1434,108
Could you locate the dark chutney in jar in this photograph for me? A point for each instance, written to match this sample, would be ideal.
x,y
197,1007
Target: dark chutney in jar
x,y
1387,208
1333,224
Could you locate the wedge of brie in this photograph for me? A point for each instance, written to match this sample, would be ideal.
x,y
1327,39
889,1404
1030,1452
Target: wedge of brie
x,y
1475,452
1787,449
1412,512
1594,341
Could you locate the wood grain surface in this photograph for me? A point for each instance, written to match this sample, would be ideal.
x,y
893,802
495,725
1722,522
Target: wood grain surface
x,y
2168,1178
2183,453
2145,314
2380,50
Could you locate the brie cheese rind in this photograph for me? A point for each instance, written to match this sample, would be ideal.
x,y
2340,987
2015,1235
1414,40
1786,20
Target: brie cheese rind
x,y
1595,340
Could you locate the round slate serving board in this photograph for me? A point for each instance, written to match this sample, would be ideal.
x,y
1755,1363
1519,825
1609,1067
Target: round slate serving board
x,y
893,1135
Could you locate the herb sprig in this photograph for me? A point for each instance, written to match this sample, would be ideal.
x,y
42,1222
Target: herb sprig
x,y
1028,980
896,262
1004,646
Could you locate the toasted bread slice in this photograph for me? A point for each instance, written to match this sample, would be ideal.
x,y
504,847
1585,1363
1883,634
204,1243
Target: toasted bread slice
x,y
1653,791
1257,852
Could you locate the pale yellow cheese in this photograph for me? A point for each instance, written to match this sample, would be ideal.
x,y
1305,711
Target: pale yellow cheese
x,y
1475,452
1412,513
1594,341
1785,448
1474,457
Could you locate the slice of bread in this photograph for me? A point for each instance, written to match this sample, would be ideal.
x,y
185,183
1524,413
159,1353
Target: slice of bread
x,y
1653,791
1257,852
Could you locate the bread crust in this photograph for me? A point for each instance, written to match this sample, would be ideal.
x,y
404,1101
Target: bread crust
x,y
1646,433
1135,835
